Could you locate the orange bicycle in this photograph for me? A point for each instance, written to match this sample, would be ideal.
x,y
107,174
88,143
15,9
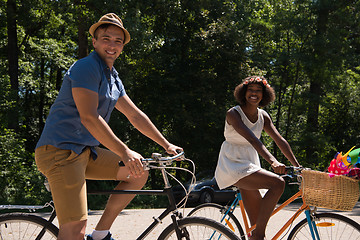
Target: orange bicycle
x,y
315,226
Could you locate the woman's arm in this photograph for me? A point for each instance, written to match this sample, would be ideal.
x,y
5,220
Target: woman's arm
x,y
233,118
281,142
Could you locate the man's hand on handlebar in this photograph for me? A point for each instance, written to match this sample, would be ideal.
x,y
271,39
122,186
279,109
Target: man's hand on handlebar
x,y
133,163
173,150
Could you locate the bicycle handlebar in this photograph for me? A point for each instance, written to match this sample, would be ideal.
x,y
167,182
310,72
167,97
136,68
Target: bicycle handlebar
x,y
160,160
162,163
295,169
292,171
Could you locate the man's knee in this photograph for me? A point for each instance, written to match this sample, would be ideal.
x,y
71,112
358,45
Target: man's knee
x,y
138,182
143,179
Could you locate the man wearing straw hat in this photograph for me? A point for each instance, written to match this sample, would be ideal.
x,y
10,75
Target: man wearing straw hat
x,y
67,152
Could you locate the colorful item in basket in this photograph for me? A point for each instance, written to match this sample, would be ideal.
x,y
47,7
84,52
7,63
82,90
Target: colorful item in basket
x,y
355,158
337,166
347,164
354,173
346,159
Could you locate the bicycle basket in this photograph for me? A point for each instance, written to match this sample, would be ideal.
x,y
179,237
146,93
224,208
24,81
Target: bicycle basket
x,y
337,193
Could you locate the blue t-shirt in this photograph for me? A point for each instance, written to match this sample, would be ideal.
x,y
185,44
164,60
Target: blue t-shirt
x,y
63,128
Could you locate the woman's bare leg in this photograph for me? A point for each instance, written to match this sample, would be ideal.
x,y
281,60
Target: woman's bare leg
x,y
262,180
252,202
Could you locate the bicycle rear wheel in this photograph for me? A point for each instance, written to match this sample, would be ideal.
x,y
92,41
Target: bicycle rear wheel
x,y
216,212
196,228
330,226
17,226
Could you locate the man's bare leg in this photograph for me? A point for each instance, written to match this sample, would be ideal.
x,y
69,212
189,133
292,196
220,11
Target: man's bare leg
x,y
72,230
117,202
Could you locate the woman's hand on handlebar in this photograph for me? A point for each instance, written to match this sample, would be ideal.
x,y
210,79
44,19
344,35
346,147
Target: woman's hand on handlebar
x,y
278,167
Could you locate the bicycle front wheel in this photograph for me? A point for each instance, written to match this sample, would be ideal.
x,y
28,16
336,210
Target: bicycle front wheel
x,y
330,226
18,226
196,228
216,212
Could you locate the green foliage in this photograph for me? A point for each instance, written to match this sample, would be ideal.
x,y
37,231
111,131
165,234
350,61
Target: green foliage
x,y
181,66
20,182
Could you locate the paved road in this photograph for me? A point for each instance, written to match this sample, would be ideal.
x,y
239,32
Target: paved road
x,y
132,222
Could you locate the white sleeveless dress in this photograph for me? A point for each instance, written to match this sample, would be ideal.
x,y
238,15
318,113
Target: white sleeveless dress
x,y
237,157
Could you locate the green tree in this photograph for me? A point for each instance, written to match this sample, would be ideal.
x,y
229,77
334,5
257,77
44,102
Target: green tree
x,y
20,181
181,67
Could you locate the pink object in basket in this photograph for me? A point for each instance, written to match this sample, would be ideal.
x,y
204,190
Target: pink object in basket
x,y
337,167
354,173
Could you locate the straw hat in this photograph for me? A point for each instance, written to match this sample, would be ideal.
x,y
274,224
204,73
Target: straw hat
x,y
110,18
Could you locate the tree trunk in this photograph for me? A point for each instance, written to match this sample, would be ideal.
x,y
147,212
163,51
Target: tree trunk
x,y
41,95
292,96
13,64
82,37
59,77
317,77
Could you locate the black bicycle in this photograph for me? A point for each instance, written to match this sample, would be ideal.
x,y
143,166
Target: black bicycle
x,y
30,226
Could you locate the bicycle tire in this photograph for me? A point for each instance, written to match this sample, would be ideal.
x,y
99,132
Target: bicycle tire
x,y
330,226
216,212
25,226
196,228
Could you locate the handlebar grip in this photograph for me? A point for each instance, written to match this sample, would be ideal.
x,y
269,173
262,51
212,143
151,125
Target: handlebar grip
x,y
157,157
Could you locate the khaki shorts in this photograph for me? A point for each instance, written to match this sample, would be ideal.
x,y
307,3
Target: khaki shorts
x,y
66,172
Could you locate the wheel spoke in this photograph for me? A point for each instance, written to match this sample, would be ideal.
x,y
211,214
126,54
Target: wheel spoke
x,y
216,212
25,227
329,226
196,228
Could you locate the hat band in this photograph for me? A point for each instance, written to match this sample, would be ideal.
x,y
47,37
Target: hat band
x,y
115,22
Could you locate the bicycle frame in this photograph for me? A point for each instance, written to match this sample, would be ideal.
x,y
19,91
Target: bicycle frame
x,y
166,191
179,228
302,208
156,158
171,208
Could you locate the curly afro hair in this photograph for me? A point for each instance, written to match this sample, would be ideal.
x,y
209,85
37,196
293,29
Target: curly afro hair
x,y
268,92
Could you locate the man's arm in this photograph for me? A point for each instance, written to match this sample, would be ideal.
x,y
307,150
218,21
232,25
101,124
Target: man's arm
x,y
87,102
142,123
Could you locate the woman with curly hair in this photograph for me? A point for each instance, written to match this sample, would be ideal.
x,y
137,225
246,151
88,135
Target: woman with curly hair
x,y
239,162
